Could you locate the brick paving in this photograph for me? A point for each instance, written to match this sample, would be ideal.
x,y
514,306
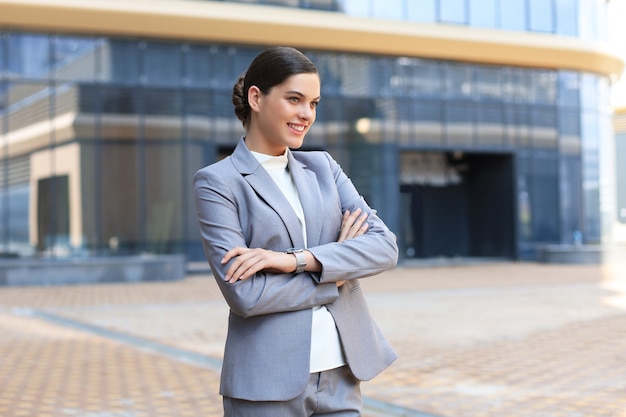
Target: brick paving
x,y
505,340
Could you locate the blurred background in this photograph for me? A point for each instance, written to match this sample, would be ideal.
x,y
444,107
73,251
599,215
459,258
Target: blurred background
x,y
479,129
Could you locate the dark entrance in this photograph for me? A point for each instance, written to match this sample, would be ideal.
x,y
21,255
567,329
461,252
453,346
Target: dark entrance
x,y
457,205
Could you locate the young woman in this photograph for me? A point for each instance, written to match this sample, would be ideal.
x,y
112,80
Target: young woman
x,y
287,237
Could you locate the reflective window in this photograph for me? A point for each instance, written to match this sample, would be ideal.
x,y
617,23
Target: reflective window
x,y
483,13
544,127
75,58
459,80
459,124
3,52
567,17
543,86
516,120
355,7
490,125
122,61
415,77
421,11
452,11
488,83
544,200
588,91
541,16
162,64
3,99
389,9
145,105
586,18
29,56
592,19
590,130
569,89
515,85
513,14
198,66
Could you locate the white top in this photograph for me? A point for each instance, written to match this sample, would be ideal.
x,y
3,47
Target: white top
x,y
326,351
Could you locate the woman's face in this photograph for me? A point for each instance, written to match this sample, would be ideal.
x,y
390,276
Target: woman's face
x,y
282,117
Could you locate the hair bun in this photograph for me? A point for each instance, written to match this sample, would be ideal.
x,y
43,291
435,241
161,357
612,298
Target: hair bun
x,y
240,101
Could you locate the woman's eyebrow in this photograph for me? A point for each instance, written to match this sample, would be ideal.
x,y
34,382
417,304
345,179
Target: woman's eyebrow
x,y
300,94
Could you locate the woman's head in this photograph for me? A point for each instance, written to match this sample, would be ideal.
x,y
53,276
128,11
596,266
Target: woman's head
x,y
270,68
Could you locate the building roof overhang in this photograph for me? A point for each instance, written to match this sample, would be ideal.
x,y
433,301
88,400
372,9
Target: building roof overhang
x,y
247,24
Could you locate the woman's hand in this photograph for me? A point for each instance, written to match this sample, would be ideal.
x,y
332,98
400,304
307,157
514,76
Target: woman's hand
x,y
250,261
352,225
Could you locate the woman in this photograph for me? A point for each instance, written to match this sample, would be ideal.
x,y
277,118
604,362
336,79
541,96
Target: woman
x,y
287,237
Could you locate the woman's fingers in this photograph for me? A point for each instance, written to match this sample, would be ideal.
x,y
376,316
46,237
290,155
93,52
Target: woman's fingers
x,y
248,262
352,225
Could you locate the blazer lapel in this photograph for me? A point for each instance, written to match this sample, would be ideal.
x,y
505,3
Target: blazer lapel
x,y
310,198
268,191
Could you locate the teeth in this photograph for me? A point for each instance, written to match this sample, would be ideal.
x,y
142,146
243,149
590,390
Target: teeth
x,y
298,128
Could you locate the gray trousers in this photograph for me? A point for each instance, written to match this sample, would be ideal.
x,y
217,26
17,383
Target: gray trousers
x,y
332,393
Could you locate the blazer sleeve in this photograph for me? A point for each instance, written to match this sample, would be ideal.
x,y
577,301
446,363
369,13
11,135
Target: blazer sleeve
x,y
369,254
221,230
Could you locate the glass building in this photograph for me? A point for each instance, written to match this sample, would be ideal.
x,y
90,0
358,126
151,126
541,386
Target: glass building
x,y
475,127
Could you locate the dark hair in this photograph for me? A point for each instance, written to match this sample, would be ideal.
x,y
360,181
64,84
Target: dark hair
x,y
271,67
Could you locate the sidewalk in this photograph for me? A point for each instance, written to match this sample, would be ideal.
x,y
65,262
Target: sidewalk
x,y
502,339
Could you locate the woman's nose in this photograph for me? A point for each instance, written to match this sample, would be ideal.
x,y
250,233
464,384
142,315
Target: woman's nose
x,y
306,113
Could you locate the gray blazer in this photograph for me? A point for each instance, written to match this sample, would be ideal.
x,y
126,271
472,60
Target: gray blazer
x,y
267,350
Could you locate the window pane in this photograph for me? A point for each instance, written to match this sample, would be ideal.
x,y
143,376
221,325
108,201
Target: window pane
x,y
3,100
162,64
164,196
459,124
3,52
544,127
566,17
515,85
516,121
590,130
198,71
459,81
29,56
488,83
452,11
483,13
541,16
587,19
122,222
122,62
355,7
543,86
545,197
513,14
388,9
421,11
415,77
569,90
490,129
589,92
75,58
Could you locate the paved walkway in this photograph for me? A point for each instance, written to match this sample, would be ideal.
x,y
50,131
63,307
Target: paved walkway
x,y
501,339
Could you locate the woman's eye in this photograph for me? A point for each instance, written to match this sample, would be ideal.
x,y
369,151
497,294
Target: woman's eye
x,y
294,99
315,103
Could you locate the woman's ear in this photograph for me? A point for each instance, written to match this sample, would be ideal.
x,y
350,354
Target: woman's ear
x,y
254,97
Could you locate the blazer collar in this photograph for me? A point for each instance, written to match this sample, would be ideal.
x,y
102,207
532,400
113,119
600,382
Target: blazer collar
x,y
308,192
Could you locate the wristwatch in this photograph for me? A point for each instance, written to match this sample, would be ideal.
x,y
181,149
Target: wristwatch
x,y
300,261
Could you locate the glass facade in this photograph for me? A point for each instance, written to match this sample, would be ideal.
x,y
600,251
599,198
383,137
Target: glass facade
x,y
581,18
100,137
